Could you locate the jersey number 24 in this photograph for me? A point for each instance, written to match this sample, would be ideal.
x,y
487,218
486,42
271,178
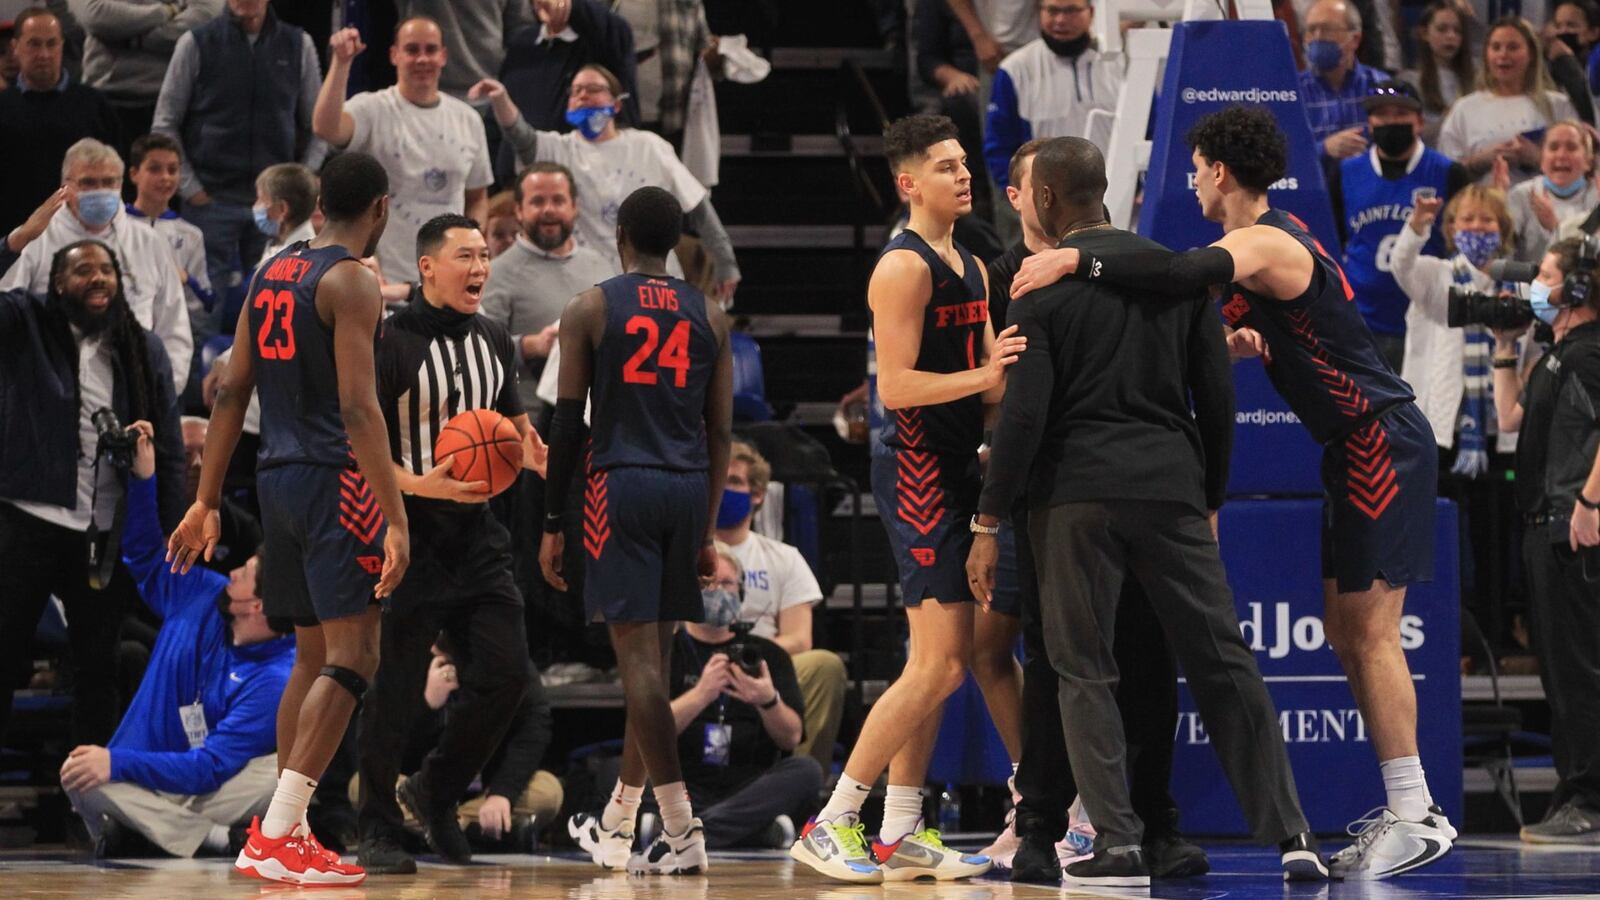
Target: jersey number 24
x,y
674,352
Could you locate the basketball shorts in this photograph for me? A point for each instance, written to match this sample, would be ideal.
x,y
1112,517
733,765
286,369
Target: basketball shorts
x,y
322,542
926,501
642,533
1378,486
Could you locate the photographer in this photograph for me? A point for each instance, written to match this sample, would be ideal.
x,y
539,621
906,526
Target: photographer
x,y
74,364
737,707
1555,403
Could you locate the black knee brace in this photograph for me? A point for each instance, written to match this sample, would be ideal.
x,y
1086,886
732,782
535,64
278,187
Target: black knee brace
x,y
348,679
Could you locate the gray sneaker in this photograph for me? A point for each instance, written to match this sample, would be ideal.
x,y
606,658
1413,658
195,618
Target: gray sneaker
x,y
1568,825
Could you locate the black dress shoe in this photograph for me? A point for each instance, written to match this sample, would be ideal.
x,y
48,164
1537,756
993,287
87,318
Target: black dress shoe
x,y
1035,861
1170,855
439,826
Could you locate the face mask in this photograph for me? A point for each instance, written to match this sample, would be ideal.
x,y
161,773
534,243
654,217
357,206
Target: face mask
x,y
1573,41
1395,140
97,208
1539,299
1070,49
735,508
1568,192
264,223
722,607
1324,56
591,121
1478,246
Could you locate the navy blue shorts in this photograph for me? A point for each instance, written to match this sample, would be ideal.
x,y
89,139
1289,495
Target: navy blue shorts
x,y
322,542
1008,574
926,502
1378,490
642,534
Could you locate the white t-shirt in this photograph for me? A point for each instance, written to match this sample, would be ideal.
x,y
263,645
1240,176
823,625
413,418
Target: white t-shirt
x,y
94,392
1011,22
776,578
1481,119
434,155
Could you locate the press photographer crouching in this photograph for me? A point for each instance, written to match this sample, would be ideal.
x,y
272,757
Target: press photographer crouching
x,y
75,367
1556,405
738,708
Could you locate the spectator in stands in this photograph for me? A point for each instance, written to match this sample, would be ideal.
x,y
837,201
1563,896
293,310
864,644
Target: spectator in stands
x,y
502,228
685,37
1049,87
1507,115
779,593
238,97
286,199
1565,189
1575,23
997,28
1568,73
127,47
1445,69
540,62
946,62
433,145
41,115
154,163
64,356
1372,194
738,709
194,758
93,210
1381,48
1334,82
476,34
10,66
608,163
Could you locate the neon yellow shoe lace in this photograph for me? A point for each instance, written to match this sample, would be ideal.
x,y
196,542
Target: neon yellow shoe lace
x,y
852,839
930,837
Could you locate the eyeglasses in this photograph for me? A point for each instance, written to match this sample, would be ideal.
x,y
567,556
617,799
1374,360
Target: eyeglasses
x,y
726,584
1331,31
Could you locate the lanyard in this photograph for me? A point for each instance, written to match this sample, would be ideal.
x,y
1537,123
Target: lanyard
x,y
700,665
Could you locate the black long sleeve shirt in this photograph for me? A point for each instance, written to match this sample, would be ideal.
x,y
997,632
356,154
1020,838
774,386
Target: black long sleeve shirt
x,y
1099,406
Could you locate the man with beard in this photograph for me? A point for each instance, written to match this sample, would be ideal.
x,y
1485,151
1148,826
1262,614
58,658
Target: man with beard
x,y
64,358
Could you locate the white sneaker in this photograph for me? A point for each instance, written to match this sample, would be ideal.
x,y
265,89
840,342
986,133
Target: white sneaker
x,y
683,854
609,849
1437,814
1387,845
1005,843
838,850
923,855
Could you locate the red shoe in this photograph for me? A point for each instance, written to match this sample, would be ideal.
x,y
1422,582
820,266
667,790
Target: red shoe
x,y
332,859
291,860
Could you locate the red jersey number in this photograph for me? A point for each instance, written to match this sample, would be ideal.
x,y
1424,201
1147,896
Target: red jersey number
x,y
275,339
674,353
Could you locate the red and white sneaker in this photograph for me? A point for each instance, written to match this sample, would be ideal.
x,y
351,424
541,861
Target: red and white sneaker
x,y
291,860
333,859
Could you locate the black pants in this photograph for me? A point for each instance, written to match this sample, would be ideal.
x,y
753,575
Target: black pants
x,y
1564,613
463,587
735,817
1147,698
38,559
1168,548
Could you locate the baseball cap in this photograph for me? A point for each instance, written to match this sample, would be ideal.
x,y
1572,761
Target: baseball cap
x,y
1398,93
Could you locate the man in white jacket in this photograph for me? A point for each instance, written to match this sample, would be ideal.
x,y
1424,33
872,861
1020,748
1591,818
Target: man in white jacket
x,y
149,270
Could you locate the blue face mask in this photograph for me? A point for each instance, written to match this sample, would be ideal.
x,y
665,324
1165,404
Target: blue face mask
x,y
1478,246
722,607
1324,56
1539,299
1568,192
591,121
97,208
735,508
264,223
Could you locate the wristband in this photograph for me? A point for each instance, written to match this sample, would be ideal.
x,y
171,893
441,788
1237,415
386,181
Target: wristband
x,y
1504,362
553,523
1584,502
770,703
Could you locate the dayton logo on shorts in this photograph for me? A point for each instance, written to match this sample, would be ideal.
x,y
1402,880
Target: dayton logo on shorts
x,y
1235,309
372,565
923,555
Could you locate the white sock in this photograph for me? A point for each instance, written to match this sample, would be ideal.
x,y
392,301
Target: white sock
x,y
902,812
1406,786
289,803
848,795
216,839
676,813
622,807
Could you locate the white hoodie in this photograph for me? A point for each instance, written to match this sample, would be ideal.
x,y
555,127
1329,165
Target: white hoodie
x,y
149,278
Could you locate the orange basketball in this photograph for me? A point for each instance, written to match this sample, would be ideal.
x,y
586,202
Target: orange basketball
x,y
483,446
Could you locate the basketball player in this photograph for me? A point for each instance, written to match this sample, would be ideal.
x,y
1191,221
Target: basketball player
x,y
436,359
1287,298
653,356
938,363
327,489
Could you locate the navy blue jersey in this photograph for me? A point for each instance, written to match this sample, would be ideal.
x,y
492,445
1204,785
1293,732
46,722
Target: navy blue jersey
x,y
1375,210
296,380
952,341
651,373
1324,360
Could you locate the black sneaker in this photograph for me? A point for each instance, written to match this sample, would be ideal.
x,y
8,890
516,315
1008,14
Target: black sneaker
x,y
1110,867
1168,853
439,826
112,841
1035,861
1300,859
385,856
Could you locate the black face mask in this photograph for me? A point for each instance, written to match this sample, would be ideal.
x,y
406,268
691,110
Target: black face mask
x,y
1070,49
1573,41
1395,140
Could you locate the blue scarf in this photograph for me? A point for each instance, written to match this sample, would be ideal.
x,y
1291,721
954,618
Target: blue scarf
x,y
1472,426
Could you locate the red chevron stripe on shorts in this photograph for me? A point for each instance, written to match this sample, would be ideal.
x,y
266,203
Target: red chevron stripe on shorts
x,y
1342,389
921,499
596,515
358,508
1371,480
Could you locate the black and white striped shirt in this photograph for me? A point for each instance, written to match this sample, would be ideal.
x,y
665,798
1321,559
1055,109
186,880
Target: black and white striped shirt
x,y
433,364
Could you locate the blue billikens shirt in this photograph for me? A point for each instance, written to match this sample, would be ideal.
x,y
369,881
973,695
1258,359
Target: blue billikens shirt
x,y
1375,209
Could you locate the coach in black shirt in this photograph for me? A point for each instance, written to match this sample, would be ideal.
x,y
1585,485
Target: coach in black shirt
x,y
1121,477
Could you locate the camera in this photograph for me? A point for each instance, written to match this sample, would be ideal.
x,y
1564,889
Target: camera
x,y
112,440
1470,307
742,651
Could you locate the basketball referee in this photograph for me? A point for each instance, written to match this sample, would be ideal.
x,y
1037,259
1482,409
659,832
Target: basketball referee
x,y
436,358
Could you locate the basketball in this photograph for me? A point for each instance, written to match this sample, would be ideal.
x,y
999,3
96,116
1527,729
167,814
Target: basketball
x,y
483,446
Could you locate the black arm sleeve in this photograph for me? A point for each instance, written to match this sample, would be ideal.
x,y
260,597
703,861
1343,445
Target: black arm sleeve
x,y
1023,412
1568,72
1335,179
927,39
1211,388
1159,271
566,438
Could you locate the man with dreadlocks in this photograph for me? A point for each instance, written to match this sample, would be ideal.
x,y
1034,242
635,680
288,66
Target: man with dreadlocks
x,y
65,360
